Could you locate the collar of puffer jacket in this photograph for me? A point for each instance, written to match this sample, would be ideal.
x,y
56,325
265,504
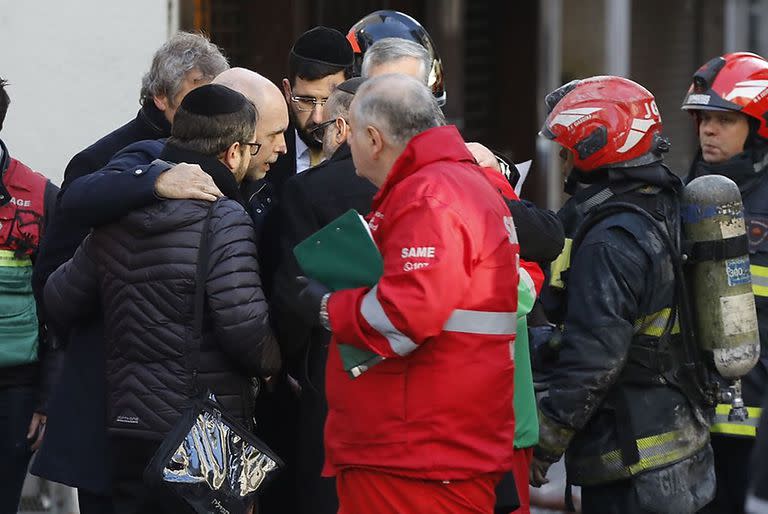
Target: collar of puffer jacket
x,y
221,175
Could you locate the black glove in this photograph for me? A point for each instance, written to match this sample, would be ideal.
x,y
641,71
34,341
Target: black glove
x,y
310,294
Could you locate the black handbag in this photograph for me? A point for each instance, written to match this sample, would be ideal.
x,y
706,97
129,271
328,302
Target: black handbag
x,y
209,459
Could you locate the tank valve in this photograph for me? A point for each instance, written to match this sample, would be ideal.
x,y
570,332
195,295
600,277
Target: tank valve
x,y
738,412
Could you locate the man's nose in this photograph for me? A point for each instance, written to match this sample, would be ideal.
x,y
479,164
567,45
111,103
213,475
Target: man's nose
x,y
281,147
317,114
708,126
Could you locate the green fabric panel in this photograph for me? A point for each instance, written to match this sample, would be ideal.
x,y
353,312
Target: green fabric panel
x,y
526,417
18,316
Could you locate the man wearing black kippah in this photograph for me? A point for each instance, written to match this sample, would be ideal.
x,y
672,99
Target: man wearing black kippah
x,y
320,59
140,274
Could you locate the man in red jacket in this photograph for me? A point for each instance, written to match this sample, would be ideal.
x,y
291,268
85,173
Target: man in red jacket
x,y
430,428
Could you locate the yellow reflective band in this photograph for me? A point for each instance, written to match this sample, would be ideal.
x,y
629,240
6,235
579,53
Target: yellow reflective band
x,y
8,260
759,279
560,265
654,451
654,324
759,290
746,428
724,408
733,429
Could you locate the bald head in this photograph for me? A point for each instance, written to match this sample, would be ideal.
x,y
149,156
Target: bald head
x,y
272,115
254,86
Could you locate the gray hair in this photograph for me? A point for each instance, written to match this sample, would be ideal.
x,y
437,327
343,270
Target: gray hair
x,y
338,104
391,49
175,58
398,105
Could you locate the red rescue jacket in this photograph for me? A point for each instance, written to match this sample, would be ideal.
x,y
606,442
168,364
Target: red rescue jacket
x,y
439,406
21,212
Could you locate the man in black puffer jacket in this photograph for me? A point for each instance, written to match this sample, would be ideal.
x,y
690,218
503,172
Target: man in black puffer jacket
x,y
142,270
74,450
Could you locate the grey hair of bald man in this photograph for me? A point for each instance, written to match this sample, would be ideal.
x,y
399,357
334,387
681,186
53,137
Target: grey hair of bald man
x,y
398,105
392,49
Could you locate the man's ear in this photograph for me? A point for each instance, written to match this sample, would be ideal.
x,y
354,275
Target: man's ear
x,y
287,91
342,131
376,141
232,155
161,102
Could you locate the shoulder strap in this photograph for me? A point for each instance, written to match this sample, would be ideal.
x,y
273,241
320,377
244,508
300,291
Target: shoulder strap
x,y
201,274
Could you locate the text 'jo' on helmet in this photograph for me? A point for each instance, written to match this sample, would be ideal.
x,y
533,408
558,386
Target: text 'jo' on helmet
x,y
383,24
605,121
734,82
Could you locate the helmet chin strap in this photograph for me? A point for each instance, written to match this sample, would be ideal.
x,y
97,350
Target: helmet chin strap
x,y
576,176
661,146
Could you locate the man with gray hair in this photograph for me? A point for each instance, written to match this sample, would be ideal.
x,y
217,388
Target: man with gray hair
x,y
183,63
74,451
404,438
395,55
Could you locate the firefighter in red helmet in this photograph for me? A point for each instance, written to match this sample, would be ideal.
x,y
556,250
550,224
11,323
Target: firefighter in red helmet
x,y
621,402
728,99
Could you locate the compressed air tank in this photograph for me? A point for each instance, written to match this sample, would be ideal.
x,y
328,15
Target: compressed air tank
x,y
718,274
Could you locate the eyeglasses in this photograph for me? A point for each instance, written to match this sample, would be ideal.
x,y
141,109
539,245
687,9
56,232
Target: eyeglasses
x,y
318,132
255,147
307,103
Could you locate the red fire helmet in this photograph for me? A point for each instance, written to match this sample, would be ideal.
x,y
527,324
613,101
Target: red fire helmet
x,y
604,121
734,82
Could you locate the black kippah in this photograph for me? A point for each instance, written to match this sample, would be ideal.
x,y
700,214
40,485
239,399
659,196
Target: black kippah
x,y
213,100
324,45
350,86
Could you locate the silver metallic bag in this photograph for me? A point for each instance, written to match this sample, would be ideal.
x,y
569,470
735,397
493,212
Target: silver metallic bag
x,y
209,459
212,461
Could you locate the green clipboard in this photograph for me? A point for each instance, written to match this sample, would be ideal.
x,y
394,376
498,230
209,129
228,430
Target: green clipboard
x,y
342,255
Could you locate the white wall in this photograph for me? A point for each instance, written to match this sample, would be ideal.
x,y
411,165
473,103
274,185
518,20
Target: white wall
x,y
75,69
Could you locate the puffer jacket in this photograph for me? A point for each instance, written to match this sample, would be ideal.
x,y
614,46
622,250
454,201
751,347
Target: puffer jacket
x,y
142,272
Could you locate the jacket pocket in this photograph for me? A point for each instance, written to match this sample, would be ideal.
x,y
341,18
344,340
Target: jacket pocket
x,y
372,406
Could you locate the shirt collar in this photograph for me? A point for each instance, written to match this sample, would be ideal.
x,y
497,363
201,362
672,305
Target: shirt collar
x,y
302,153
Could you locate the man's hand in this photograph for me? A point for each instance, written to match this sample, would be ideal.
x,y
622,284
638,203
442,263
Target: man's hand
x,y
37,429
484,157
538,472
309,298
187,182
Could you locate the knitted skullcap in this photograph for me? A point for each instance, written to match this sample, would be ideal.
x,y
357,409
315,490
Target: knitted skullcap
x,y
213,100
324,45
